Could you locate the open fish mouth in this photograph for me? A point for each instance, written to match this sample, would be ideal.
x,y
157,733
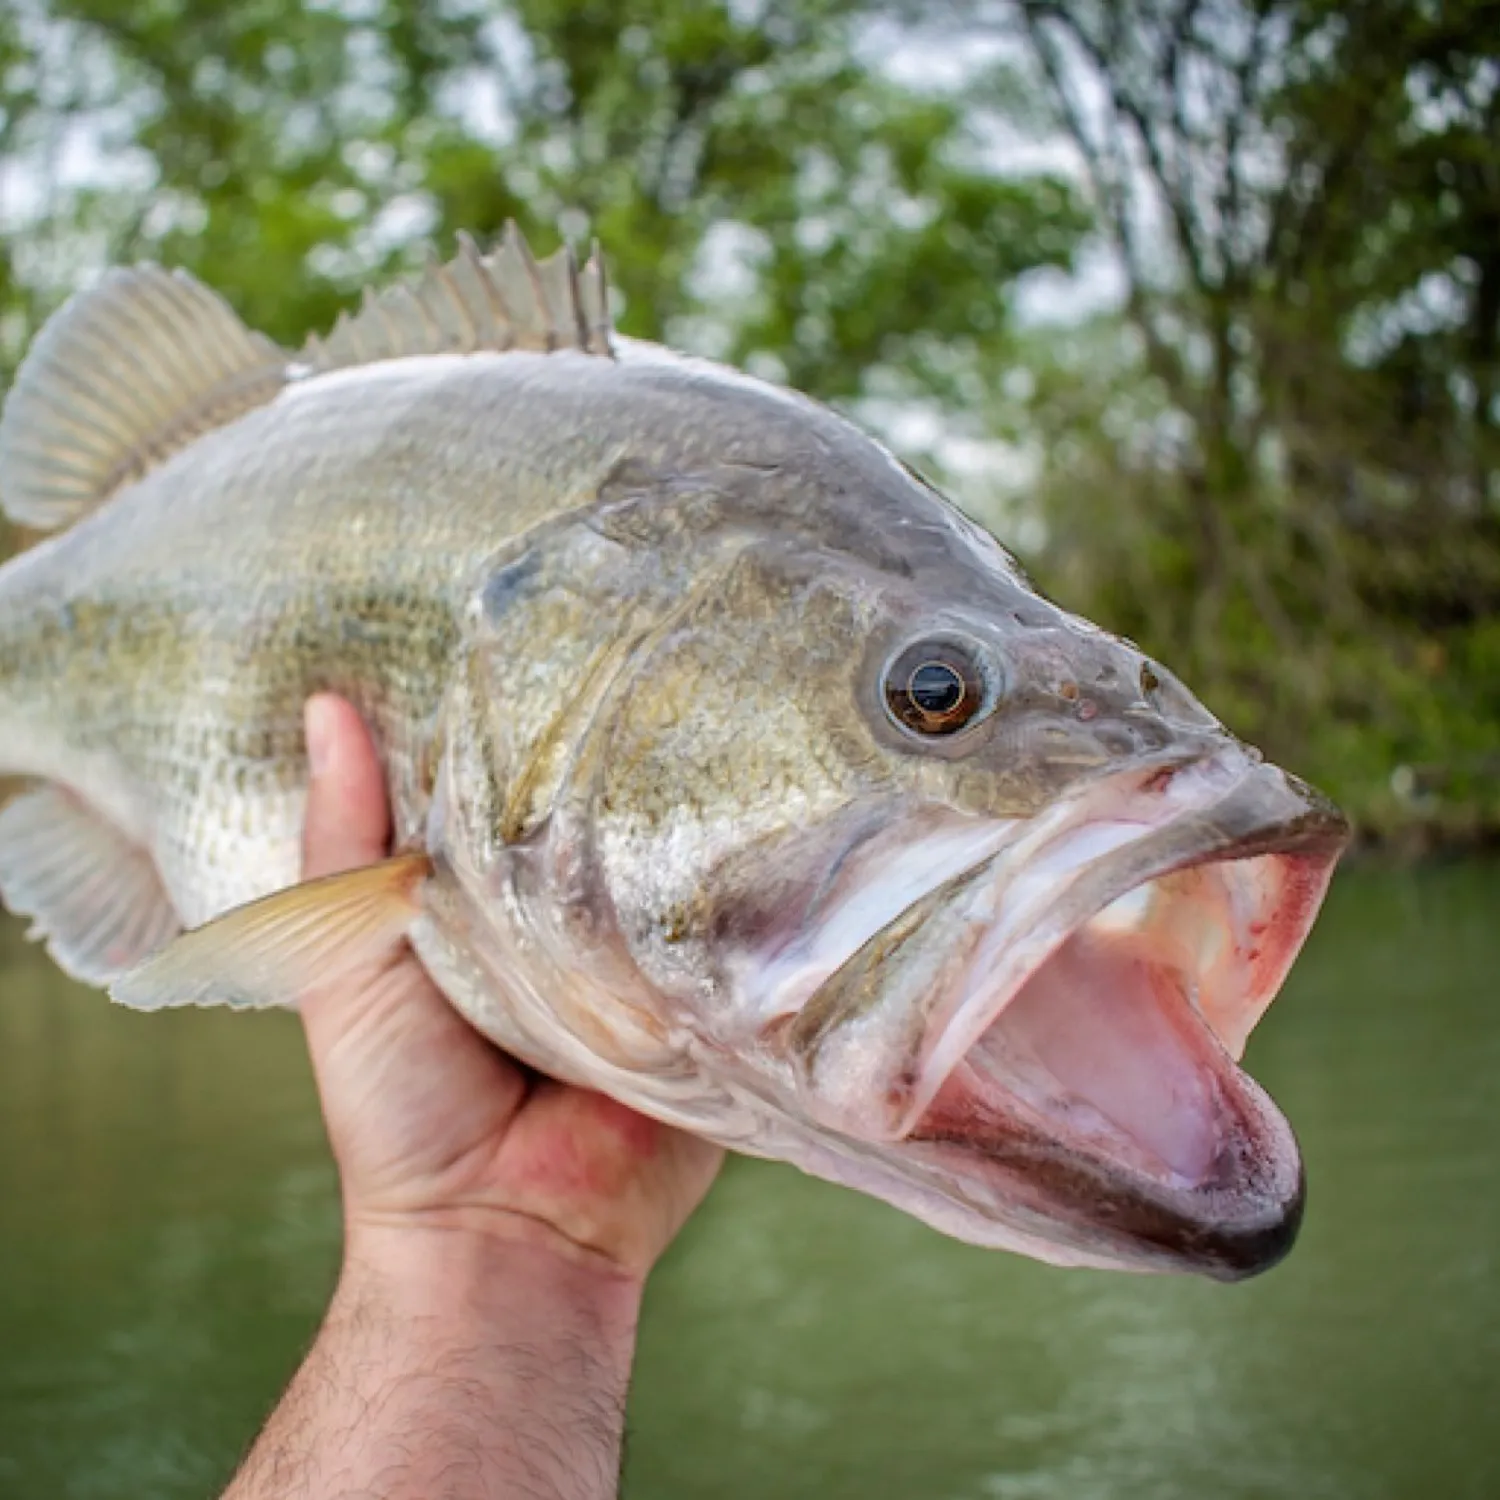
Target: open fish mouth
x,y
1050,1037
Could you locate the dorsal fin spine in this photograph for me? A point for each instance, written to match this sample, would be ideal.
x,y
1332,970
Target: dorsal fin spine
x,y
465,329
595,290
515,243
575,298
471,261
472,303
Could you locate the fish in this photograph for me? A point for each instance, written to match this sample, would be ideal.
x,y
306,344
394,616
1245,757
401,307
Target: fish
x,y
735,773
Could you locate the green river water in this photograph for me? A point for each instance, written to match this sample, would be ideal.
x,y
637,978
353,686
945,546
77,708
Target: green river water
x,y
168,1235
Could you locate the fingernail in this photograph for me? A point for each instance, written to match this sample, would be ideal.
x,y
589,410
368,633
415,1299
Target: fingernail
x,y
317,725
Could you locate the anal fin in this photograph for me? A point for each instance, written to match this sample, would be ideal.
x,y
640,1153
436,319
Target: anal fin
x,y
91,892
269,952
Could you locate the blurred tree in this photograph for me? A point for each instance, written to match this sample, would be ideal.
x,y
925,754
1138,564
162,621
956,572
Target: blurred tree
x,y
1278,464
761,186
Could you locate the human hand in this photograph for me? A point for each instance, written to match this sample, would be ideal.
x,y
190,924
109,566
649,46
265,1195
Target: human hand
x,y
498,1229
433,1127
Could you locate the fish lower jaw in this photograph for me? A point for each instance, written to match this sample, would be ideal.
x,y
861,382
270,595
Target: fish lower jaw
x,y
1103,1098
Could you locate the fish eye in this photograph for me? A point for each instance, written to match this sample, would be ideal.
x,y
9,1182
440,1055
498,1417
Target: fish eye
x,y
935,687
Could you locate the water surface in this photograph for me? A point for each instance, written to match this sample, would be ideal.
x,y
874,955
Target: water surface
x,y
168,1236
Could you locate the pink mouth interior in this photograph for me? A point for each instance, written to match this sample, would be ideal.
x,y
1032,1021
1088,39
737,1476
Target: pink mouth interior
x,y
1121,1044
1111,1044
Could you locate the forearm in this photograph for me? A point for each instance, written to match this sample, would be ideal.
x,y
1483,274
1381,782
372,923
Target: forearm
x,y
451,1364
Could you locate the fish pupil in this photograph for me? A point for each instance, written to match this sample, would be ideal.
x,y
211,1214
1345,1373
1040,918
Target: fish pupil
x,y
936,688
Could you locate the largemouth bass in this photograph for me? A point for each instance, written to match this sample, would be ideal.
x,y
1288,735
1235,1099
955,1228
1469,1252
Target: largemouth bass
x,y
734,772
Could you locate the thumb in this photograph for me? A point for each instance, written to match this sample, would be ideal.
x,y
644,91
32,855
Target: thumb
x,y
346,825
348,821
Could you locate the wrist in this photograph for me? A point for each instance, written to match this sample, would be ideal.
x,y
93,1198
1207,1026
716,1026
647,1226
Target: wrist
x,y
503,1275
459,1362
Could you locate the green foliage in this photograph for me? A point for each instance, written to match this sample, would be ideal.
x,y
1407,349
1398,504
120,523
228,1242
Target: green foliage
x,y
1280,467
759,186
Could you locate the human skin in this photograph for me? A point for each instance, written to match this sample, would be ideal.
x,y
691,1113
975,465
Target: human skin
x,y
498,1230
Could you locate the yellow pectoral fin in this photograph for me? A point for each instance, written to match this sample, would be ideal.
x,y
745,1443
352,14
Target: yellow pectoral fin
x,y
272,951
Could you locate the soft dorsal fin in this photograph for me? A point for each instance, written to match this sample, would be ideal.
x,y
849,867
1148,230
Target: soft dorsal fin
x,y
118,379
504,300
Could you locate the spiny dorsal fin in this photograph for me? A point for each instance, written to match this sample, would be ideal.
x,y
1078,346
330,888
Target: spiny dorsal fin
x,y
118,379
504,300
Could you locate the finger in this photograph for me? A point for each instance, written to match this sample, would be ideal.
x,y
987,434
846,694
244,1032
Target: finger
x,y
348,818
347,822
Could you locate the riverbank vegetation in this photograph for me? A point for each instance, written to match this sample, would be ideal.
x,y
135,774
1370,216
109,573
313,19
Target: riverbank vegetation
x,y
1195,302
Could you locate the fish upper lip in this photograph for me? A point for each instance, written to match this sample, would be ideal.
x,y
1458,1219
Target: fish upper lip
x,y
1263,811
1258,809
